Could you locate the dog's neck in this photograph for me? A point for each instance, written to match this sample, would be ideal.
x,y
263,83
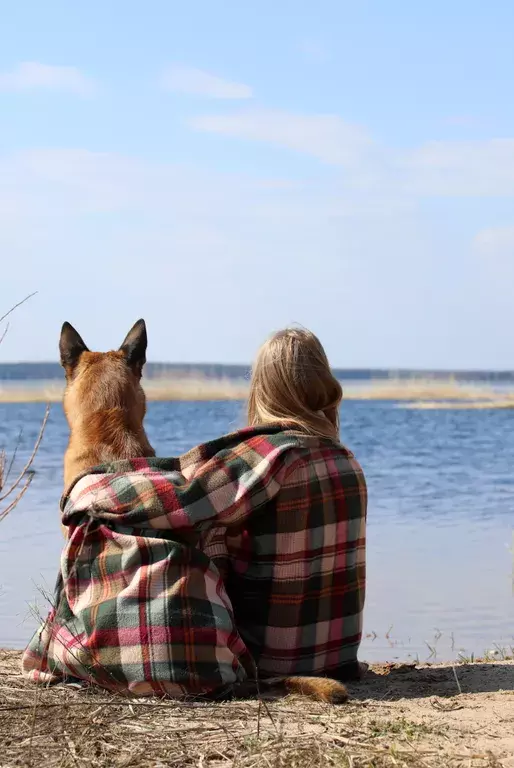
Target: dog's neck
x,y
104,436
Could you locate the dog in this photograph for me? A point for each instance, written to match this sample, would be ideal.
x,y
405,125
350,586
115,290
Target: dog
x,y
104,401
105,407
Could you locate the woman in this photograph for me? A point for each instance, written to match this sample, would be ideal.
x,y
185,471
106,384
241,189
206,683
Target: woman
x,y
294,566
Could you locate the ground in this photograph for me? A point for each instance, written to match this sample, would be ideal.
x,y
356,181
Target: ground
x,y
437,716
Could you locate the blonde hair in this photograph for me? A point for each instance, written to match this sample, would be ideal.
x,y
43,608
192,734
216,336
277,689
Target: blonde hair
x,y
292,382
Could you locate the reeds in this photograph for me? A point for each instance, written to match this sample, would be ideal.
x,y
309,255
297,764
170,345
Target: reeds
x,y
13,490
415,393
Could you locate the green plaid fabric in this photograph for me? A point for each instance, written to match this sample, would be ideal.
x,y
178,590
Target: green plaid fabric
x,y
140,609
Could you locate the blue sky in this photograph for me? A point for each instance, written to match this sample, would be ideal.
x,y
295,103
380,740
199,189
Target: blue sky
x,y
224,169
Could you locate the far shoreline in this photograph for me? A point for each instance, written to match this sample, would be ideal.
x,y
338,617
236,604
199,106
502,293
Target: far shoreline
x,y
423,393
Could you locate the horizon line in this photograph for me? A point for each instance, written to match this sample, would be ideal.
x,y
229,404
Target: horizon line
x,y
390,369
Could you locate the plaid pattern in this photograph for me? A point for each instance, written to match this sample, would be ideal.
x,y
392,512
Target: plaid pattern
x,y
140,608
137,610
295,570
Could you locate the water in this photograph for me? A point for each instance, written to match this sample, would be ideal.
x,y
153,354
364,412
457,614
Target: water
x,y
440,520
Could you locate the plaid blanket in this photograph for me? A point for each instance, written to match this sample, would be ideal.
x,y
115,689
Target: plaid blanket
x,y
139,608
295,569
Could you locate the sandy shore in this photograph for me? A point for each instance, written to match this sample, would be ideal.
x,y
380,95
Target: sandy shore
x,y
401,715
414,393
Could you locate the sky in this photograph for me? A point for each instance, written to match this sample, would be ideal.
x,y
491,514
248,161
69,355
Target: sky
x,y
226,169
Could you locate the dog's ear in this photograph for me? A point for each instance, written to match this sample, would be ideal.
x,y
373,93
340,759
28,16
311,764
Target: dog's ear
x,y
134,347
71,346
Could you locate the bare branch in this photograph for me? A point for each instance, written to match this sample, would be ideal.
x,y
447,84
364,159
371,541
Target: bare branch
x,y
4,334
17,498
14,492
17,305
26,469
6,475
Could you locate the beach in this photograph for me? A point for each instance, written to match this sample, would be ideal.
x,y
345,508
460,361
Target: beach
x,y
431,716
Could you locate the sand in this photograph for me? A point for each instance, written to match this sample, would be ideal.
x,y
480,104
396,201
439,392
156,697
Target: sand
x,y
400,715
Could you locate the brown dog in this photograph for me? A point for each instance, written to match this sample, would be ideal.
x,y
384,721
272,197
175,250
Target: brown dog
x,y
104,402
105,407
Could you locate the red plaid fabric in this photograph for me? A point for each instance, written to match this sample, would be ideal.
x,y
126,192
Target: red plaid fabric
x,y
140,608
295,567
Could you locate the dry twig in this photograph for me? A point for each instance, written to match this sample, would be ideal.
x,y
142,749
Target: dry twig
x,y
11,494
17,489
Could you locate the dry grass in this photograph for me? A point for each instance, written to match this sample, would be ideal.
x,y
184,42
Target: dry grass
x,y
188,388
420,389
502,403
415,393
401,716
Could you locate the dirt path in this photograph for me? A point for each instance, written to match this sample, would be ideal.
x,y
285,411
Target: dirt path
x,y
399,715
464,709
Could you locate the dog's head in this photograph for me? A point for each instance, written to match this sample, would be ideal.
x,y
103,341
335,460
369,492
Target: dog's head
x,y
103,381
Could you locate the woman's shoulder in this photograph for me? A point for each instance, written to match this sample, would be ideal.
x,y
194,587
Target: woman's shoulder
x,y
256,443
325,455
262,440
315,443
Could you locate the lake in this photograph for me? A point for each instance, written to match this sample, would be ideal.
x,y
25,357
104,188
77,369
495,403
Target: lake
x,y
440,520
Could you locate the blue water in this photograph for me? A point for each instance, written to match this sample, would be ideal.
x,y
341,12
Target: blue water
x,y
440,519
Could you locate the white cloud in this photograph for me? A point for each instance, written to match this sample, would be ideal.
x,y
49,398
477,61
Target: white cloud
x,y
437,168
197,82
326,137
188,239
461,168
32,75
191,242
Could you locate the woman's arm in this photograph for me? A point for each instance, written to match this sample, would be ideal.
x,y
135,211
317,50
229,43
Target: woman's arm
x,y
149,493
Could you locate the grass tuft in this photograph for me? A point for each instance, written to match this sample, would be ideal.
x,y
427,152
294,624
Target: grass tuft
x,y
391,721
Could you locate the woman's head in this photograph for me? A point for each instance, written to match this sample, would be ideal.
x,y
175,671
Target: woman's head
x,y
292,381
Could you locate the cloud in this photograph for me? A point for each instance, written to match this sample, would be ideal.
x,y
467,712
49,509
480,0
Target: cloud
x,y
461,168
436,168
326,137
187,238
197,82
32,75
193,241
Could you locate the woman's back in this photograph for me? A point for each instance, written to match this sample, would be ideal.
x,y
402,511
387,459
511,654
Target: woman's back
x,y
295,569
